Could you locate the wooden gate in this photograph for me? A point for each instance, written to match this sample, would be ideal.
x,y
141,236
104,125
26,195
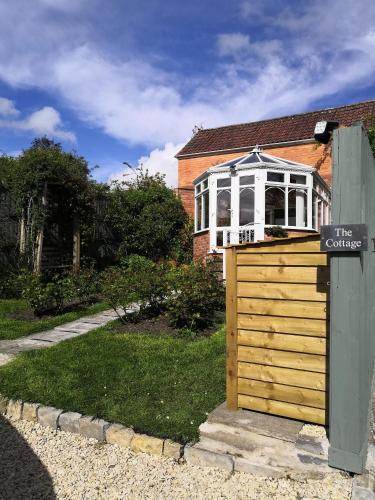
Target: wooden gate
x,y
277,325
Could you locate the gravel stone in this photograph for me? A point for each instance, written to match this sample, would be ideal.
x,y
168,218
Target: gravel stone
x,y
118,434
49,416
147,444
69,421
30,411
14,409
94,428
69,466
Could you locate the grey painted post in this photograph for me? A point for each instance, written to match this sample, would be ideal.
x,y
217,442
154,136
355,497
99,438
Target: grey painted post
x,y
352,303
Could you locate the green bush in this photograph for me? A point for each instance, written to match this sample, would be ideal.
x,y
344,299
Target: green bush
x,y
137,280
55,293
276,232
197,294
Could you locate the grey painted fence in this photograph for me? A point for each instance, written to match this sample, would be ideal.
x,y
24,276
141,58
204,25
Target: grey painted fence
x,y
352,333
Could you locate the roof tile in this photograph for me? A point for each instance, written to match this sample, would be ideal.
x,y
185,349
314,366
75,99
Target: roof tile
x,y
275,130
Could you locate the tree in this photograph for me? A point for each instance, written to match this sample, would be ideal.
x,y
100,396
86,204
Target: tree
x,y
145,217
52,189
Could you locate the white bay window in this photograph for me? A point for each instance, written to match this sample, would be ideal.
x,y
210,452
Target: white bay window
x,y
256,191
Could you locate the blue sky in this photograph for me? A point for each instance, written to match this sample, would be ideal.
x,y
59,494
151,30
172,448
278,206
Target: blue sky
x,y
121,80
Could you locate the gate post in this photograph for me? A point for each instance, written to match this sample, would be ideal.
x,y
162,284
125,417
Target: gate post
x,y
231,325
352,303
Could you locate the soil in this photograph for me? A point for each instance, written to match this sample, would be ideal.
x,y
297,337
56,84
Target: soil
x,y
158,326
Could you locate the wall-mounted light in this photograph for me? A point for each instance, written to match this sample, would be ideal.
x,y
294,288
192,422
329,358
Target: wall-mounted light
x,y
323,131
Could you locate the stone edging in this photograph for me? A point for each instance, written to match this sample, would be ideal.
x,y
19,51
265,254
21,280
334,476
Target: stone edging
x,y
90,427
112,433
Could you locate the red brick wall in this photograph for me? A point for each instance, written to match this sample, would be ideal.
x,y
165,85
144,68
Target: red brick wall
x,y
201,245
318,156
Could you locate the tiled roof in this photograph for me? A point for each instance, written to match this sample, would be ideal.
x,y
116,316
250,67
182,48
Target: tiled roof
x,y
275,130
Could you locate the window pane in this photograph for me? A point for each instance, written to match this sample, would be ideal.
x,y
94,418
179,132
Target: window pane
x,y
319,221
206,208
246,206
275,177
219,238
223,208
275,206
297,208
297,179
197,189
205,184
223,182
247,179
198,214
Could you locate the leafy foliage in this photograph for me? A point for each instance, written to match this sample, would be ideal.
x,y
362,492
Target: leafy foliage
x,y
137,280
371,136
276,232
145,217
197,295
57,292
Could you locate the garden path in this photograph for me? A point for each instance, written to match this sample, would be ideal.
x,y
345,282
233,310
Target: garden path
x,y
10,348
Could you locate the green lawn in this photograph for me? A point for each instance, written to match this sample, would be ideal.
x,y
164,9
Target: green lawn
x,y
163,386
11,328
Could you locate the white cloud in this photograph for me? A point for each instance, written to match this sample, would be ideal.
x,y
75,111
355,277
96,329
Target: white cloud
x,y
45,121
160,160
7,107
233,43
316,51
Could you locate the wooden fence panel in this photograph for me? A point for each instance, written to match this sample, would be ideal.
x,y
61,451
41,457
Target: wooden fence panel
x,y
277,324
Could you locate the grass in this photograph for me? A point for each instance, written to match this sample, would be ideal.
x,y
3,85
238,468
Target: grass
x,y
11,328
163,386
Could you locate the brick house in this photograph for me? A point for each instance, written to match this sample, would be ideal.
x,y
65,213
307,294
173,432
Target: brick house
x,y
238,180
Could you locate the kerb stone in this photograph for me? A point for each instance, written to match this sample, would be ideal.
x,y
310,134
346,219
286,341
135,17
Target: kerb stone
x,y
91,427
147,444
49,416
172,449
30,412
69,421
206,458
14,409
120,435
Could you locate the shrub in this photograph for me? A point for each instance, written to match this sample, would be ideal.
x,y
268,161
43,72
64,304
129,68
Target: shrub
x,y
276,232
137,280
11,284
197,295
55,293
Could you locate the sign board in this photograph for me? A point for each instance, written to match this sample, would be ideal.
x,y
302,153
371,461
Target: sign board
x,y
344,238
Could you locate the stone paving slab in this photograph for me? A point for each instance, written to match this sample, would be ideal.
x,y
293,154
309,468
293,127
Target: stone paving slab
x,y
48,338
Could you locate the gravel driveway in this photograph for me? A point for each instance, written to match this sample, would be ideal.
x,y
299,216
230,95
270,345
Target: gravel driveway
x,y
36,462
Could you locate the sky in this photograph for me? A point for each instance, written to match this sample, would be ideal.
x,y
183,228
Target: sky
x,y
127,81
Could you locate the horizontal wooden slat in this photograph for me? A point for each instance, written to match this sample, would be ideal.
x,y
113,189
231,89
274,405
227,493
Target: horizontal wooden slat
x,y
285,359
292,291
279,392
285,259
288,342
290,410
286,274
287,376
279,324
278,247
290,308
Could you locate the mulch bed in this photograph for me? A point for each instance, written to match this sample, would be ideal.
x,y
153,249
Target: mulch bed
x,y
158,326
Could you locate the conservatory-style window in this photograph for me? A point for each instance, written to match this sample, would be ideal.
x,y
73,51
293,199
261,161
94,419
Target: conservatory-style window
x,y
256,191
202,206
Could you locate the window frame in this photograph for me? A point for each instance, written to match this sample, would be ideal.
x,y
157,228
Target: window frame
x,y
200,192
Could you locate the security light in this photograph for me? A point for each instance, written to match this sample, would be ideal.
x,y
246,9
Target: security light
x,y
323,131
